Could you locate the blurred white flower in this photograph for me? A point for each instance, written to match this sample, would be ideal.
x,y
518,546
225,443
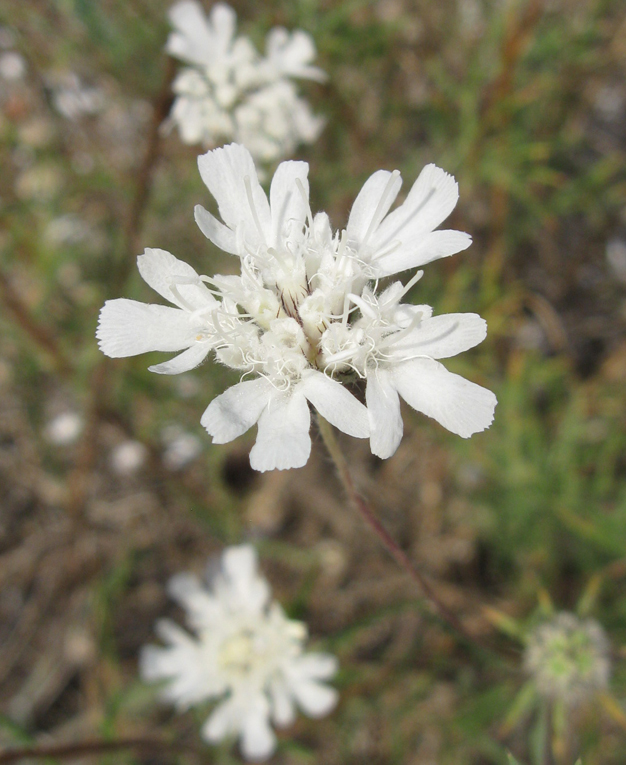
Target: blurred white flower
x,y
181,447
231,92
73,99
616,257
64,429
304,317
243,652
12,66
568,658
128,457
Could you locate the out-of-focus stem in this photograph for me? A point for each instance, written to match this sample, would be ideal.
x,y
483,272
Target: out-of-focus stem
x,y
38,333
94,748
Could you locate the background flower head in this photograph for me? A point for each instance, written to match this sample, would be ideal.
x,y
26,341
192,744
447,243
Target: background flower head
x,y
243,652
230,91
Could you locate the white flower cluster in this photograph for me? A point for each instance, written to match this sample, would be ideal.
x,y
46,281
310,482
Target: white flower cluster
x,y
231,92
304,314
244,651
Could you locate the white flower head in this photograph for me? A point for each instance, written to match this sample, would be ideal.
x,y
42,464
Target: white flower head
x,y
568,658
230,91
304,316
243,652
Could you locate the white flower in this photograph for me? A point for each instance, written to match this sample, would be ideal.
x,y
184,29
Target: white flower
x,y
231,92
303,316
64,429
244,651
568,658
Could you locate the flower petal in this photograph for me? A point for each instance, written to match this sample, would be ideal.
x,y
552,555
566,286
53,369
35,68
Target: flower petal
x,y
215,231
283,439
289,205
174,280
315,666
243,586
459,405
185,361
383,405
236,410
283,709
128,328
372,204
315,699
258,740
223,721
431,199
416,252
203,609
231,177
443,336
335,403
193,38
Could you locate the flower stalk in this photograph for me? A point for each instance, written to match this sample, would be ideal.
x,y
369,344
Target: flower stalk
x,y
394,549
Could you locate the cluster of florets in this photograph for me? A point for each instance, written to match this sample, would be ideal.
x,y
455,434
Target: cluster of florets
x,y
244,652
231,92
304,315
568,658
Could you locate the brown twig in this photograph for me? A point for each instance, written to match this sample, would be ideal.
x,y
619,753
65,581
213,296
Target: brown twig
x,y
385,537
79,480
37,332
132,228
92,747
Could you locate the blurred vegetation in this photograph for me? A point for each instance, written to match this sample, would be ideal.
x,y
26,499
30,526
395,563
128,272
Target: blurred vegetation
x,y
525,102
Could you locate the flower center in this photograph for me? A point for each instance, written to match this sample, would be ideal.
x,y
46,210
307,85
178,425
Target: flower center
x,y
243,653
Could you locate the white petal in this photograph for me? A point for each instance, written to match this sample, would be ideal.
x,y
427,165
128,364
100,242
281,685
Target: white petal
x,y
203,609
224,22
418,250
185,361
236,410
151,665
283,709
430,201
443,336
257,737
372,204
288,203
456,403
167,276
316,666
216,232
193,38
383,405
245,587
315,699
222,722
231,177
336,404
128,328
283,439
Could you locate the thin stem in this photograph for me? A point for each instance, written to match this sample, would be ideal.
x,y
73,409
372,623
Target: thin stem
x,y
161,106
92,747
381,532
39,333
